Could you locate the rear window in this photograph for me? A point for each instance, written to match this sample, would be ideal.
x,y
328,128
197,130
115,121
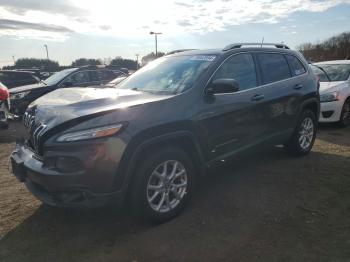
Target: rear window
x,y
273,67
295,65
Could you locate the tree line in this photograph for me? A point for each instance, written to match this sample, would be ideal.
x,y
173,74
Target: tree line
x,y
53,66
333,48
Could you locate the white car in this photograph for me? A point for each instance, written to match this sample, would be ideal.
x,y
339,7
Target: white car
x,y
334,91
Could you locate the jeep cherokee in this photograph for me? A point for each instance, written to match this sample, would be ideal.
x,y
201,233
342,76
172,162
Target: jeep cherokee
x,y
149,138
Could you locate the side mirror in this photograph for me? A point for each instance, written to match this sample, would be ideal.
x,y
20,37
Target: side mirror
x,y
222,85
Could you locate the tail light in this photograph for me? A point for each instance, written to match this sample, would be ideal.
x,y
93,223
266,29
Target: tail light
x,y
4,93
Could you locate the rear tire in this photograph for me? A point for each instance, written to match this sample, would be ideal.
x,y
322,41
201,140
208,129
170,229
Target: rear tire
x,y
163,185
345,114
304,135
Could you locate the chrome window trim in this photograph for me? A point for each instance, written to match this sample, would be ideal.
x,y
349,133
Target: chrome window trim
x,y
261,86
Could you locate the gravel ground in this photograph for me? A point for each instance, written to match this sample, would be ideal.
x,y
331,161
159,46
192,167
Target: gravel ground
x,y
262,207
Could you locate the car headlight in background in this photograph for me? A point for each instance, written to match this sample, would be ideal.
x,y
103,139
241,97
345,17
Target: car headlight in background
x,y
19,95
90,133
329,97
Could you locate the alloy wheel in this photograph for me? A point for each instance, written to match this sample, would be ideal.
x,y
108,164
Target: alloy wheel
x,y
306,133
167,186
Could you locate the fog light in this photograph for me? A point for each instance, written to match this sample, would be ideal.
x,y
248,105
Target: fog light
x,y
68,164
327,114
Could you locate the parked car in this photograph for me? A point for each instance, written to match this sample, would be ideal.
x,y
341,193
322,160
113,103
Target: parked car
x,y
22,96
334,91
12,78
153,135
4,106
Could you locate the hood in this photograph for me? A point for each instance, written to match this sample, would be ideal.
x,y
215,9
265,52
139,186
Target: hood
x,y
20,89
67,104
327,87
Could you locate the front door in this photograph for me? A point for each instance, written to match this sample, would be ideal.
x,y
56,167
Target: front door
x,y
230,122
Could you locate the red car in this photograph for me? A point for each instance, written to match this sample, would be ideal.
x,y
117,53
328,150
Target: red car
x,y
4,105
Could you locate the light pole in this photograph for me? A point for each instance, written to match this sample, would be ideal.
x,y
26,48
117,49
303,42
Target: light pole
x,y
14,60
155,38
47,52
137,61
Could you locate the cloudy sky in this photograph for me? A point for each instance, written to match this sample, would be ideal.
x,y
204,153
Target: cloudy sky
x,y
109,28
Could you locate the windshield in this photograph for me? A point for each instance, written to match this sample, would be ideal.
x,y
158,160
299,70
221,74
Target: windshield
x,y
335,72
170,75
55,78
320,73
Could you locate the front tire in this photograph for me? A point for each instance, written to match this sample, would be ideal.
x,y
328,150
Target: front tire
x,y
163,185
304,135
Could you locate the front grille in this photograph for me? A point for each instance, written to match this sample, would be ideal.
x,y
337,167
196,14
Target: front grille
x,y
35,130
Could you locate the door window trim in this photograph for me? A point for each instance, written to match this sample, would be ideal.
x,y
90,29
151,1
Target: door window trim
x,y
258,76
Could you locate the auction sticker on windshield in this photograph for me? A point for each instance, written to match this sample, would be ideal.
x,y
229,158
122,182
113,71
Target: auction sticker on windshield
x,y
203,58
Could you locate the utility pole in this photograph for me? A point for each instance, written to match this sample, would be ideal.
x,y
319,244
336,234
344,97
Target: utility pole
x,y
262,42
155,38
14,60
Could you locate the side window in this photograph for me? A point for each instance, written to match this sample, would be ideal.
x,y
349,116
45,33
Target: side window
x,y
107,75
240,67
95,76
273,67
26,77
79,78
295,65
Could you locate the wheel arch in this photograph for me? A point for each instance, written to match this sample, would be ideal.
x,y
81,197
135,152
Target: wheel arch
x,y
184,140
311,104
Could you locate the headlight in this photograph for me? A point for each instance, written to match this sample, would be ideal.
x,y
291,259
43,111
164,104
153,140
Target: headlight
x,y
90,133
19,95
329,97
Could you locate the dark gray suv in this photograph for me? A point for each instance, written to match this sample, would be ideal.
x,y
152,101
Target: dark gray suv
x,y
150,137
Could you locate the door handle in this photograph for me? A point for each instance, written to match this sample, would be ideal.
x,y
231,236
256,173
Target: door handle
x,y
258,97
298,86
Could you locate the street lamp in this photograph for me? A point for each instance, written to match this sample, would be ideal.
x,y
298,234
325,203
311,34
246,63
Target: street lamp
x,y
155,38
137,61
47,52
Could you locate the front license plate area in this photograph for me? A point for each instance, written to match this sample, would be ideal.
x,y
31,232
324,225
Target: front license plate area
x,y
18,169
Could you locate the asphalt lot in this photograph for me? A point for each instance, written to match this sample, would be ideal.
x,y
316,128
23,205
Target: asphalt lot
x,y
262,207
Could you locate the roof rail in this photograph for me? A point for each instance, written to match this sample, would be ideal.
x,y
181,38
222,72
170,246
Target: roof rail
x,y
239,45
178,51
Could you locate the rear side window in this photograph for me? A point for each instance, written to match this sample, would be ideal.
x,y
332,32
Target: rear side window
x,y
273,67
295,65
241,68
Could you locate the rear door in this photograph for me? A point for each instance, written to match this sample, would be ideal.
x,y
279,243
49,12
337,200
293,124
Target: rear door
x,y
281,86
